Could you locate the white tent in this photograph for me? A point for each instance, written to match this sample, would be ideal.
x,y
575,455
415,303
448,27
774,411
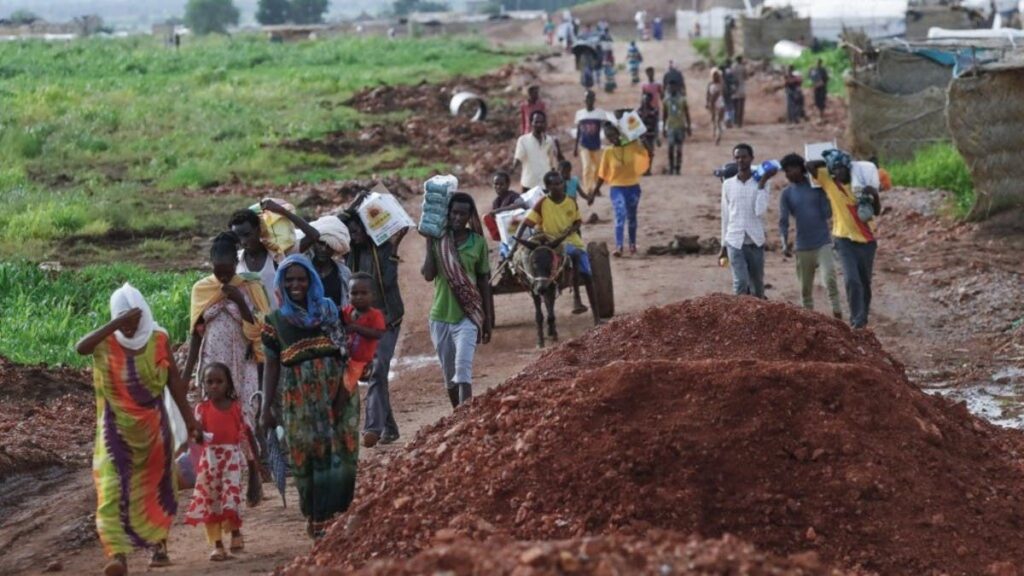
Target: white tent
x,y
877,18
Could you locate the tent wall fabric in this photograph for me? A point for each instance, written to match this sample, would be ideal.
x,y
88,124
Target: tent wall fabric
x,y
876,18
894,126
899,72
897,105
755,38
986,118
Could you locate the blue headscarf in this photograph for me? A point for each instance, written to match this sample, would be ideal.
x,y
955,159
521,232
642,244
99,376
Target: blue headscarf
x,y
318,309
836,158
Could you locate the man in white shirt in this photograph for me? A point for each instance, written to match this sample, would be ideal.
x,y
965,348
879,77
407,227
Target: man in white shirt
x,y
537,152
744,203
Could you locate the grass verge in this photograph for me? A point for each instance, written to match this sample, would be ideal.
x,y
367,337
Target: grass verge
x,y
938,166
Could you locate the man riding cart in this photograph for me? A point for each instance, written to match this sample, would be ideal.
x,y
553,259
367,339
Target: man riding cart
x,y
556,218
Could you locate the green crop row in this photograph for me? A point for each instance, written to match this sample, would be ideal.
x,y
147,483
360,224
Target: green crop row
x,y
43,314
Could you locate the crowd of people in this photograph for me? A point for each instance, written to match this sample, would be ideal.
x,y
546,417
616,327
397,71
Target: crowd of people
x,y
278,344
837,211
281,337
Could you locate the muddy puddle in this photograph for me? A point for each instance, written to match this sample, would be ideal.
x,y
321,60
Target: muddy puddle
x,y
1000,400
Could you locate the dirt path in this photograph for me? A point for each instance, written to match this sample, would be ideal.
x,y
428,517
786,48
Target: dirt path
x,y
687,204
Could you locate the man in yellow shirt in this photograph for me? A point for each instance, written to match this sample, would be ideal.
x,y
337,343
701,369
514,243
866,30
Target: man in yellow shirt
x,y
557,217
622,166
854,237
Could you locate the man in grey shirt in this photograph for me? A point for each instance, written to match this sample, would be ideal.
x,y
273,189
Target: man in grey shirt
x,y
812,211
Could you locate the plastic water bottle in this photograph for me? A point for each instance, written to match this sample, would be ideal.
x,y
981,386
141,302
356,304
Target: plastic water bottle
x,y
766,167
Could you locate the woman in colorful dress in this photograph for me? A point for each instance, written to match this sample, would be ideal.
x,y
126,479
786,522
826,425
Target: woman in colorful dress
x,y
132,461
227,311
304,346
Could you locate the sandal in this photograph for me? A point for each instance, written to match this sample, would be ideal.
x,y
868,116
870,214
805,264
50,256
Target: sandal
x,y
118,566
218,555
237,543
579,309
160,559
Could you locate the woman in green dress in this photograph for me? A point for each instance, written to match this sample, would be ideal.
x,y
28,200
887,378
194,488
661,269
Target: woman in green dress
x,y
304,343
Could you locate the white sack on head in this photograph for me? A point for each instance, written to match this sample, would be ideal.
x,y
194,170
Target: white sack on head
x,y
334,233
124,299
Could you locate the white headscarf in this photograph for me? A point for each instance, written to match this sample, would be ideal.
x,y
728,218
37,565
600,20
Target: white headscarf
x,y
123,299
334,233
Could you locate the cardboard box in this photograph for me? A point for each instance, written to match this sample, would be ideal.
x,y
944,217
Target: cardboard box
x,y
508,224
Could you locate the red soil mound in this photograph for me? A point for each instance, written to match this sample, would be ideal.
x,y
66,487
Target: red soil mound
x,y
732,415
655,554
47,417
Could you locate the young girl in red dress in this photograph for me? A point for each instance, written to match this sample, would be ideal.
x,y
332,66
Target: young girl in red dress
x,y
228,446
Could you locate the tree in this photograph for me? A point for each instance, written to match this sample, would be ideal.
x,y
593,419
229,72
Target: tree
x,y
270,12
405,7
20,17
308,11
210,16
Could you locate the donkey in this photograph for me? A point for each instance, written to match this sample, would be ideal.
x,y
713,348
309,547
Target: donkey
x,y
542,264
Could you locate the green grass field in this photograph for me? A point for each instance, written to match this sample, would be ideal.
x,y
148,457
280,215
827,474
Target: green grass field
x,y
98,135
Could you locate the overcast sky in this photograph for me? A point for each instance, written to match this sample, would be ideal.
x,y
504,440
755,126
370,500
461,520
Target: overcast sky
x,y
145,12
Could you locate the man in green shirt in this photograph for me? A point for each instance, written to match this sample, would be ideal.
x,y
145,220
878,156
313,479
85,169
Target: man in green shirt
x,y
676,126
462,312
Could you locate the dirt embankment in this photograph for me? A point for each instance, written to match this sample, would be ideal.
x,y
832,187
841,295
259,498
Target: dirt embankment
x,y
47,418
653,554
474,150
714,416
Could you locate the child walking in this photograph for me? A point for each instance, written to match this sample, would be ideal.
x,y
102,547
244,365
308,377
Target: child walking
x,y
365,326
217,499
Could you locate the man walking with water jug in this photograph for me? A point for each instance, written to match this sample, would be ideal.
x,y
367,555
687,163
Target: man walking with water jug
x,y
744,203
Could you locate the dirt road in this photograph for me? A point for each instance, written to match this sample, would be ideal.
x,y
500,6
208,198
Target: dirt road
x,y
903,316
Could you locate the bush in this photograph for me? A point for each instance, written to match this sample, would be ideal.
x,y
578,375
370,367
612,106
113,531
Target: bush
x,y
43,314
938,166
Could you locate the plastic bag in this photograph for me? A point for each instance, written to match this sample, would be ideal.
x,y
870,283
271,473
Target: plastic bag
x,y
383,217
179,432
631,126
276,232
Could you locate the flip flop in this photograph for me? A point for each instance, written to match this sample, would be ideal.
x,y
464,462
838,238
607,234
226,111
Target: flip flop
x,y
118,566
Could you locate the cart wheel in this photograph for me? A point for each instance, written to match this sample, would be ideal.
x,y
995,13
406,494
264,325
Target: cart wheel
x,y
601,268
